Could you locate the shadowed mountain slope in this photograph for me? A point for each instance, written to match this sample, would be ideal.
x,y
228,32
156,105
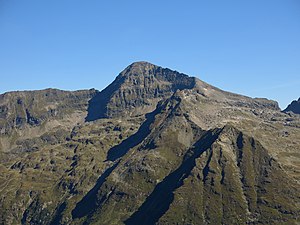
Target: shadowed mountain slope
x,y
294,107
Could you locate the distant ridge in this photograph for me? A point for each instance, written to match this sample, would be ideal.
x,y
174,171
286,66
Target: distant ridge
x,y
294,107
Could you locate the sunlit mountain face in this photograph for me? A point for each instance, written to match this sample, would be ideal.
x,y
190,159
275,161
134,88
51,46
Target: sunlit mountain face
x,y
155,147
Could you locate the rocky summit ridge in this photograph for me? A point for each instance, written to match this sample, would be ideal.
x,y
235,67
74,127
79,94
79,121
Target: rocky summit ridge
x,y
293,107
137,90
154,147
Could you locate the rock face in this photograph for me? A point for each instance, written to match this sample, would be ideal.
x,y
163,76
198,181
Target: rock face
x,y
137,91
293,107
154,147
32,108
32,113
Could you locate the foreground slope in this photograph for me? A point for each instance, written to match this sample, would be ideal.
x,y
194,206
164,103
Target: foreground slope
x,y
155,146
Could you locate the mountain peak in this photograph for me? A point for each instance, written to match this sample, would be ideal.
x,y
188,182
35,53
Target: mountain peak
x,y
137,90
139,68
141,64
294,107
141,85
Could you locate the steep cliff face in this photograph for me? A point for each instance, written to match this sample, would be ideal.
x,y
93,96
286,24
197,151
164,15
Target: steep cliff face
x,y
154,147
293,107
137,90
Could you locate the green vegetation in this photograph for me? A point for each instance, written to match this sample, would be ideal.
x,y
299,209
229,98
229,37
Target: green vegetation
x,y
152,148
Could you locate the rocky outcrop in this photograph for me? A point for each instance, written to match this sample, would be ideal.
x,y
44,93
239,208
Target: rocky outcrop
x,y
139,87
32,108
137,90
293,107
30,114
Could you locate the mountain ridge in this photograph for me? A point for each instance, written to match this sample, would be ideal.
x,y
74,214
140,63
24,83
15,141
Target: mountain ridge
x,y
146,68
293,107
154,147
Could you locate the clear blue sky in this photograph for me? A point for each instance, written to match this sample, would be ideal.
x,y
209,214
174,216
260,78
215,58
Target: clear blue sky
x,y
251,47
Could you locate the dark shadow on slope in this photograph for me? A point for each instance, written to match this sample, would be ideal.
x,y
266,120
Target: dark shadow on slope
x,y
158,202
58,215
293,107
206,168
120,150
89,202
97,106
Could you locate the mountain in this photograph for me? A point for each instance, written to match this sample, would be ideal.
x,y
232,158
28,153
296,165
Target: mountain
x,y
154,147
293,107
137,90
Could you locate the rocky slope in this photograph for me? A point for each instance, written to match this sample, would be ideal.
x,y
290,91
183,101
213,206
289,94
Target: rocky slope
x,y
294,107
31,113
154,147
136,91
